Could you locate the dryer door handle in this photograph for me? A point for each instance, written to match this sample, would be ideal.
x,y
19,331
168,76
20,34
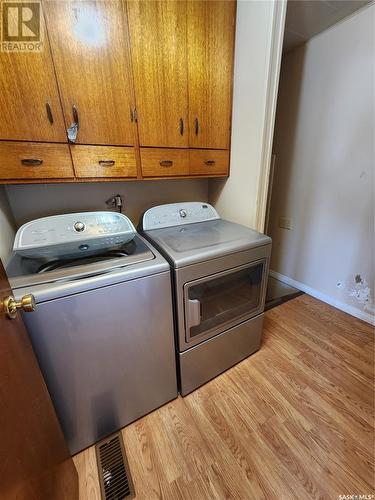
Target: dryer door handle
x,y
194,306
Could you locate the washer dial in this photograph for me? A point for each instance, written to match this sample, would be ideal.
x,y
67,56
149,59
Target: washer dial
x,y
79,226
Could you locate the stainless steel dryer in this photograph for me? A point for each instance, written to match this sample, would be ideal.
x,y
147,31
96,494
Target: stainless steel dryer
x,y
219,281
103,326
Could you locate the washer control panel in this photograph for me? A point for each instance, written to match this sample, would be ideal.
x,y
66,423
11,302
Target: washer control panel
x,y
80,229
176,214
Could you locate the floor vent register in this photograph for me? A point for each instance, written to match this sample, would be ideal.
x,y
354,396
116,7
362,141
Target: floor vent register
x,y
114,475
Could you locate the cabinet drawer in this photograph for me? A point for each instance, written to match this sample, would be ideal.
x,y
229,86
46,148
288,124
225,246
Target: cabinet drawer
x,y
32,160
104,161
158,162
209,162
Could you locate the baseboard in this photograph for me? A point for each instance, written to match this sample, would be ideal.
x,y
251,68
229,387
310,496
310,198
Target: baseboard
x,y
353,311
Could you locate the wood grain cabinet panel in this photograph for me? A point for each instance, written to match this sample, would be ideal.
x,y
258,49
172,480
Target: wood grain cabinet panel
x,y
164,162
208,162
172,60
104,161
210,34
32,160
159,58
27,86
89,42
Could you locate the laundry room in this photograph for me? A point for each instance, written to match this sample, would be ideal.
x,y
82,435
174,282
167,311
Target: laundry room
x,y
187,241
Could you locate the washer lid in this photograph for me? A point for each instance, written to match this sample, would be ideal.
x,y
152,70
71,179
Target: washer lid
x,y
24,271
190,243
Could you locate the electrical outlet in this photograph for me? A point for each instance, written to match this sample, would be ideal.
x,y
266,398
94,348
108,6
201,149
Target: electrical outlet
x,y
285,222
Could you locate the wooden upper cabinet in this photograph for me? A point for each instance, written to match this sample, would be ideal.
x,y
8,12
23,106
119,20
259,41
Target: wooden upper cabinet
x,y
27,87
159,58
89,43
210,34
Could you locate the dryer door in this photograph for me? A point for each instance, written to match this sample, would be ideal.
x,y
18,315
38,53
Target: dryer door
x,y
222,300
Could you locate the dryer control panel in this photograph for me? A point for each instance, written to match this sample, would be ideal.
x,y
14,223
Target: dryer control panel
x,y
176,214
62,234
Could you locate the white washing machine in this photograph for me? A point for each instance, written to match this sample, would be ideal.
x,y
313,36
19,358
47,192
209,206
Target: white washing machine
x,y
219,272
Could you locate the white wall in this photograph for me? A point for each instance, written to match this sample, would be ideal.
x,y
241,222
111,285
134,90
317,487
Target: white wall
x,y
259,29
7,227
324,170
38,200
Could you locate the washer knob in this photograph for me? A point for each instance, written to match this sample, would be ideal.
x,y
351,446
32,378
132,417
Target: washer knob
x,y
183,213
79,227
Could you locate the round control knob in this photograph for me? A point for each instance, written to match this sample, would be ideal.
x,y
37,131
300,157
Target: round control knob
x,y
183,213
79,227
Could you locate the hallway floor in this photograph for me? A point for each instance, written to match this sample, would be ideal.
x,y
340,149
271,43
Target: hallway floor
x,y
279,292
293,421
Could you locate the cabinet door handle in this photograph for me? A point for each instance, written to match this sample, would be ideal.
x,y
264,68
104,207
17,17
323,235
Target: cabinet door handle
x,y
196,126
166,163
181,126
210,162
107,163
133,115
49,113
31,162
73,129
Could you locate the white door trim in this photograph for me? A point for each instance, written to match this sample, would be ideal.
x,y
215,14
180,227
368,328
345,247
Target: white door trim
x,y
270,112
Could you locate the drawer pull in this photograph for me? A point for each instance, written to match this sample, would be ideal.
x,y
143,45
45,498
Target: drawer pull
x,y
107,163
166,163
196,126
181,126
31,162
210,162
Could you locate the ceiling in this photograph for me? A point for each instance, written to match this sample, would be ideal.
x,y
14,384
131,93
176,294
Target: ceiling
x,y
306,18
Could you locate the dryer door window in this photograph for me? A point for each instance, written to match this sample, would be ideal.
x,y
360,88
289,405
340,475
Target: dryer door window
x,y
217,302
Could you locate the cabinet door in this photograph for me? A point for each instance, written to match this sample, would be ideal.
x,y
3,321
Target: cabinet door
x,y
27,87
90,50
210,30
159,57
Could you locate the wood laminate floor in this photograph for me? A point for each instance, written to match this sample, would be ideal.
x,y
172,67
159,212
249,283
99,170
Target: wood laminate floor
x,y
293,421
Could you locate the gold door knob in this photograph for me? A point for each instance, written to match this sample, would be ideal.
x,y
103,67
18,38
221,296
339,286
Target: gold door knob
x,y
11,306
